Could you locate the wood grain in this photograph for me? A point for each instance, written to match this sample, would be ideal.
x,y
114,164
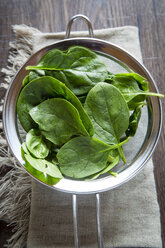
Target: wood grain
x,y
53,15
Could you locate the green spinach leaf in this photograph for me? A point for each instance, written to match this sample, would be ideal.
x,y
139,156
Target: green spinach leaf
x,y
113,162
58,120
133,87
108,111
134,121
84,156
78,67
41,89
26,80
42,169
32,75
36,74
36,144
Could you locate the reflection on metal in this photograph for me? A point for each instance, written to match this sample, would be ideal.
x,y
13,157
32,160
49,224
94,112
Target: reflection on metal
x,y
98,215
75,221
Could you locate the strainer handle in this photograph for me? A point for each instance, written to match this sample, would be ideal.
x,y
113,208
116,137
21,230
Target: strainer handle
x,y
75,222
76,17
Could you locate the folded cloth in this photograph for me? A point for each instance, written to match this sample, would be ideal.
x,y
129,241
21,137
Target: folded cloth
x,y
130,213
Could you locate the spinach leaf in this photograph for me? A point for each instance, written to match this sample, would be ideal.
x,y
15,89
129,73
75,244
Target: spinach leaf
x,y
36,144
26,80
82,98
112,164
141,81
134,121
36,74
133,87
42,169
32,75
41,89
83,156
78,67
108,111
58,120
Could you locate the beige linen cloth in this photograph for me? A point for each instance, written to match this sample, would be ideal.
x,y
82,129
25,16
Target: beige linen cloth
x,y
130,213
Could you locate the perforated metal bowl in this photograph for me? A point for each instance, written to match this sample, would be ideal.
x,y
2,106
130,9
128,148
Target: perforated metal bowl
x,y
153,120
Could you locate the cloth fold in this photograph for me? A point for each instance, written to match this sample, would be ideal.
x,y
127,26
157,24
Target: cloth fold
x,y
130,213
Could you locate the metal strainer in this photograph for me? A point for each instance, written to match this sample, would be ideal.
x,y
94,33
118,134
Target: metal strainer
x,y
124,62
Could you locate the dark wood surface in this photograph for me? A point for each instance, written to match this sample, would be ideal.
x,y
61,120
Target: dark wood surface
x,y
53,15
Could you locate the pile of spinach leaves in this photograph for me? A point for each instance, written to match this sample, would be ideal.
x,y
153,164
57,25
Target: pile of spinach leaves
x,y
77,115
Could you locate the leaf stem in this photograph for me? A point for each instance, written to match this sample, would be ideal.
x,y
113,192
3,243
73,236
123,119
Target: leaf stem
x,y
116,145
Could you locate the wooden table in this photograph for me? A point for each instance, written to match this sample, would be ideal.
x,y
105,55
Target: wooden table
x,y
53,15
